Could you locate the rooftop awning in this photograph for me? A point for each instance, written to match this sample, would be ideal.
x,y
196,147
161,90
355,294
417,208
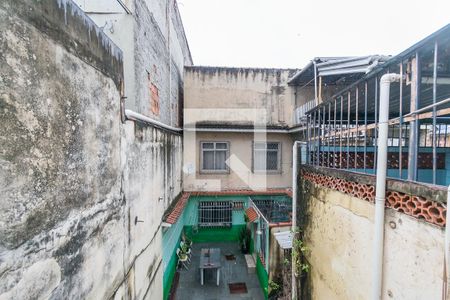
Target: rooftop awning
x,y
251,214
284,239
334,69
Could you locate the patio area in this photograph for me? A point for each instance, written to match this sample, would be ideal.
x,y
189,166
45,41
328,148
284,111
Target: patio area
x,y
231,271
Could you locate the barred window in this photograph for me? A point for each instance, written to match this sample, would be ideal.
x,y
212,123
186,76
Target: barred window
x,y
215,213
266,156
214,156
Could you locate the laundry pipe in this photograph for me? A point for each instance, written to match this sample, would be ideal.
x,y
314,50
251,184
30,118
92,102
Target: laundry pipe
x,y
380,192
134,116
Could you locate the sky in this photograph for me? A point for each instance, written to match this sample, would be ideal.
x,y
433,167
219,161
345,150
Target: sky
x,y
289,33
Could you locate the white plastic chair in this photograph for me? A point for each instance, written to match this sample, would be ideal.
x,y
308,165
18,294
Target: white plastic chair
x,y
188,251
182,258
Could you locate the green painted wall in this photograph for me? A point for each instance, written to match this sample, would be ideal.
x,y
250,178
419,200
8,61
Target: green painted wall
x,y
262,276
170,242
203,235
169,273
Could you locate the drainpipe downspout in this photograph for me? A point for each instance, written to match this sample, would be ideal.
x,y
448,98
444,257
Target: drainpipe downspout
x,y
315,82
294,211
380,192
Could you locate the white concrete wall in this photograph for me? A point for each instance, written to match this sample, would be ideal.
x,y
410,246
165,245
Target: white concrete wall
x,y
340,235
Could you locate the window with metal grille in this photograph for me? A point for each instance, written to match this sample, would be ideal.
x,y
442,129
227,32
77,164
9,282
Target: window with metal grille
x,y
238,205
214,156
215,213
266,156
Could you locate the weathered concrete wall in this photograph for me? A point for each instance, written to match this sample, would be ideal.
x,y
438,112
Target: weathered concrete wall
x,y
240,175
339,234
62,218
236,88
151,180
277,257
82,195
155,50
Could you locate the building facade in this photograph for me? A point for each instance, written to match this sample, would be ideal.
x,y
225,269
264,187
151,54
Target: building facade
x,y
236,129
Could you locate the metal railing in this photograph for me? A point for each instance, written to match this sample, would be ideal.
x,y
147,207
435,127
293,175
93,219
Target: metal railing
x,y
342,131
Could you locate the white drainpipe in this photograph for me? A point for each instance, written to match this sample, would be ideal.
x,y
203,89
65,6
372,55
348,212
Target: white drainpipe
x,y
380,193
134,116
294,208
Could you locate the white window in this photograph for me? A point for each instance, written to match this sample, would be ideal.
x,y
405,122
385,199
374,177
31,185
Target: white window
x,y
213,157
266,157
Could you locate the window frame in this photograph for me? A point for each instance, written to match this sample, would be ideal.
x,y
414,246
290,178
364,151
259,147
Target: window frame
x,y
218,213
227,155
279,158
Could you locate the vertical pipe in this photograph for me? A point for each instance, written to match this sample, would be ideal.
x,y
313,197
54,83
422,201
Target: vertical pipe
x,y
400,124
315,82
348,130
357,132
308,139
434,108
323,136
329,135
295,167
334,133
375,130
340,136
365,125
318,137
413,127
314,137
380,192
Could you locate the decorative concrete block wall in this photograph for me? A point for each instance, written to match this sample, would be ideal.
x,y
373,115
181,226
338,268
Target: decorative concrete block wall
x,y
338,223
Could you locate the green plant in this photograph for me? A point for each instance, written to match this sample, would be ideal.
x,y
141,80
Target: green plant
x,y
274,288
299,250
186,239
244,240
246,219
184,248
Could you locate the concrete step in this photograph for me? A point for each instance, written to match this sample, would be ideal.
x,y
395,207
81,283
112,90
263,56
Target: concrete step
x,y
251,266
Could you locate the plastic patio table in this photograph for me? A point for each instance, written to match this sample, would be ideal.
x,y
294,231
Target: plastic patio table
x,y
210,259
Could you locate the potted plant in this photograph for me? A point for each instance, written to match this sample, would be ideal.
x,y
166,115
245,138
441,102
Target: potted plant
x,y
244,240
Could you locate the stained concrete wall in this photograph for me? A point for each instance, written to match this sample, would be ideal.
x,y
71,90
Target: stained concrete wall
x,y
62,216
155,49
339,234
240,88
82,195
240,175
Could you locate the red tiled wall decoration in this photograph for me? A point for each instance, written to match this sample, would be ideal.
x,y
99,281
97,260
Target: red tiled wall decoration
x,y
339,160
416,206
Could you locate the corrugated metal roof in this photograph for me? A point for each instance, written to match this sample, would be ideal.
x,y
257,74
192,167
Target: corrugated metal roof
x,y
284,239
332,66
